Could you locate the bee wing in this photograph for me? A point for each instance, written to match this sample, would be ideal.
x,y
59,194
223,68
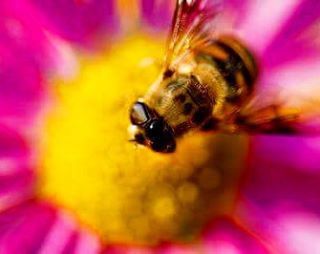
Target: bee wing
x,y
289,103
192,25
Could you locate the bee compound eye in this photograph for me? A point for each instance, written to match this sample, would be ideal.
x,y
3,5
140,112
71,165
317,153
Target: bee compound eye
x,y
165,144
155,129
158,146
139,114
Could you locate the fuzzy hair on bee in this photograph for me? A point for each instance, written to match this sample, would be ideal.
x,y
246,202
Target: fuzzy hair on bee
x,y
206,84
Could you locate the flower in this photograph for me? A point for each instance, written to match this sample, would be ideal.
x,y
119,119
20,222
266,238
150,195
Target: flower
x,y
71,183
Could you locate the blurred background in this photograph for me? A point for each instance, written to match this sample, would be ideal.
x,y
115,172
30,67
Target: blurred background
x,y
71,182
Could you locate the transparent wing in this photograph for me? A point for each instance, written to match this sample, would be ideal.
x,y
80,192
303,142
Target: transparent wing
x,y
192,25
289,103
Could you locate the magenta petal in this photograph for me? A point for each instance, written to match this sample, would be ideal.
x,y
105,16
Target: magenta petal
x,y
36,227
16,177
240,5
294,87
292,41
12,146
65,237
28,54
157,13
296,153
222,237
25,228
127,249
21,87
87,244
283,179
263,20
80,21
295,40
285,171
25,59
19,184
282,33
286,229
59,236
70,247
298,231
225,236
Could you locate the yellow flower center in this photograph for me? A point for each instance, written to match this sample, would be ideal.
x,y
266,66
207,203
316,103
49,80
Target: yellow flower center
x,y
126,193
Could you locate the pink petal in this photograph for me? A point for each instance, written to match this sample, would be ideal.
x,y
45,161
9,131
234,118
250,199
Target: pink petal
x,y
284,171
228,237
24,228
157,13
27,55
296,153
87,244
283,35
21,82
36,227
287,229
128,249
299,232
283,180
59,237
264,19
66,237
295,40
70,247
16,177
222,237
83,22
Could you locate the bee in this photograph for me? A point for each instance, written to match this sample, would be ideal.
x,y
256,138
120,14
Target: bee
x,y
206,84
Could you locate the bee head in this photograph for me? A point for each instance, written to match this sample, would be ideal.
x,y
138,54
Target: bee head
x,y
150,129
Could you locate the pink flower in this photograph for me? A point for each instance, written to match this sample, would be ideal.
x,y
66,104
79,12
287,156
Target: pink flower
x,y
278,205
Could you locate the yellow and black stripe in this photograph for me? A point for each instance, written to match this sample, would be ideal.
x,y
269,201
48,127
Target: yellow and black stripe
x,y
235,63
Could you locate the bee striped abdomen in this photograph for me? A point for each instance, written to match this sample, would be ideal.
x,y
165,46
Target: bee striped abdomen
x,y
235,63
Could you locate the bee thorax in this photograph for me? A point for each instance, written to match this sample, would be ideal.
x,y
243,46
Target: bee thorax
x,y
183,101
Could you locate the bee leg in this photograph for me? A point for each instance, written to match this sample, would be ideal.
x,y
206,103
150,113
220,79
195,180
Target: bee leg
x,y
271,119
